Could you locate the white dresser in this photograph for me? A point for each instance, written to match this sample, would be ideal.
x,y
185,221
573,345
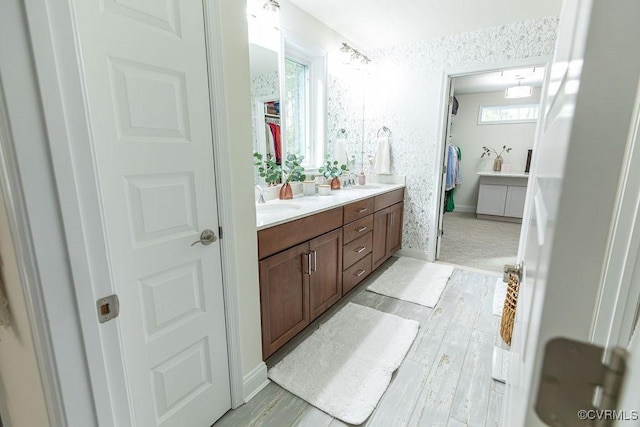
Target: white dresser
x,y
501,195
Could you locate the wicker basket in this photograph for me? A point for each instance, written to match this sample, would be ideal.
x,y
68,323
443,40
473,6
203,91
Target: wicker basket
x,y
509,309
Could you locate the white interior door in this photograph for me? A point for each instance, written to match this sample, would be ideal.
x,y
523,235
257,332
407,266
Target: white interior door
x,y
146,89
443,179
573,191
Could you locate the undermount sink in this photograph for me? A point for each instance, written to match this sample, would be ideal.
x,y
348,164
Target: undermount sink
x,y
277,208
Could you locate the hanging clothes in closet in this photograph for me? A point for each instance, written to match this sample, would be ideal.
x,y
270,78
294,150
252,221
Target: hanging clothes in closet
x,y
275,141
453,177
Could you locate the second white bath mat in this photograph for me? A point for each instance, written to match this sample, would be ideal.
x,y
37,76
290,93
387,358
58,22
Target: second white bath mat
x,y
345,366
413,280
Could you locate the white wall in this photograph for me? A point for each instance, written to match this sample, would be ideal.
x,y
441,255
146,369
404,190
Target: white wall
x,y
238,109
470,137
21,392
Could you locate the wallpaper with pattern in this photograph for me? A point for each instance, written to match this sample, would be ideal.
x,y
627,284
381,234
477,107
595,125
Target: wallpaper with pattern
x,y
402,91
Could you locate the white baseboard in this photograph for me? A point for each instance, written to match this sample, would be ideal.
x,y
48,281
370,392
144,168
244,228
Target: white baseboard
x,y
465,208
413,253
255,381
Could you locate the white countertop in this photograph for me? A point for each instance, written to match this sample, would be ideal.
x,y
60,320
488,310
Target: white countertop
x,y
504,174
303,206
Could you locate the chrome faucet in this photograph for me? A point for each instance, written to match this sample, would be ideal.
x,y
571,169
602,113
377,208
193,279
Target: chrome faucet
x,y
351,181
261,198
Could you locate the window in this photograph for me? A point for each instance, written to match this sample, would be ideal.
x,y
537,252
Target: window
x,y
508,114
304,100
296,95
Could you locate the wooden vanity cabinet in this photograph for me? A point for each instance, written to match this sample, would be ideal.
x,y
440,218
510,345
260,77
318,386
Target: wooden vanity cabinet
x,y
387,226
284,297
308,264
300,283
325,280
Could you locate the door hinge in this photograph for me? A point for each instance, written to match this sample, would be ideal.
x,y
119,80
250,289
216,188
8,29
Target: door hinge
x,y
219,232
444,170
451,100
515,269
108,308
576,386
440,232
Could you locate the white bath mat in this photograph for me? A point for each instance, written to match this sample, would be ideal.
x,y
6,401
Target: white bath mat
x,y
345,366
413,280
499,294
500,367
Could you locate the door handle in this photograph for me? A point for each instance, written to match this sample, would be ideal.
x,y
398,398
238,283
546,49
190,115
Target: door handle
x,y
315,260
206,238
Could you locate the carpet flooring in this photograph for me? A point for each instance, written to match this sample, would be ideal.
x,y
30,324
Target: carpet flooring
x,y
479,243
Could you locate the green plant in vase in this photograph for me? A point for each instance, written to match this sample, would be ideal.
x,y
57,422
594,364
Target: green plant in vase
x,y
293,172
267,169
332,170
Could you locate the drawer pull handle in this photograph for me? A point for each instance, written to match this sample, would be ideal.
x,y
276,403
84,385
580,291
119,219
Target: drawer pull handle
x,y
309,270
363,210
360,250
315,260
361,229
360,273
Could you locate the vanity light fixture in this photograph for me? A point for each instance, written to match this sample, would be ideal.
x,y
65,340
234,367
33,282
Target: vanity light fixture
x,y
272,13
519,91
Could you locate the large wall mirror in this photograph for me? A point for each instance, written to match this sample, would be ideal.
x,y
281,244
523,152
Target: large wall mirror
x,y
288,91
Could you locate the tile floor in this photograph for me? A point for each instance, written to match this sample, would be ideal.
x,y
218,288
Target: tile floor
x,y
445,379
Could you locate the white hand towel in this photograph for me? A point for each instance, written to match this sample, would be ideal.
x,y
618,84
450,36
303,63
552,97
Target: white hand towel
x,y
340,153
382,163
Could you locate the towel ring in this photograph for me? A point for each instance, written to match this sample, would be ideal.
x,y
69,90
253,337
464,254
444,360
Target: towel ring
x,y
342,133
384,129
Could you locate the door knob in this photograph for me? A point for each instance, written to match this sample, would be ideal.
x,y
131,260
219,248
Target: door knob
x,y
206,238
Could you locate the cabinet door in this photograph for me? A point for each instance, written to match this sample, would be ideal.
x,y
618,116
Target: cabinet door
x,y
325,282
284,297
491,199
514,206
380,220
394,229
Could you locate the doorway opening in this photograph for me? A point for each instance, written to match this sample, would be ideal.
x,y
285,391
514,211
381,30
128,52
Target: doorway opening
x,y
491,126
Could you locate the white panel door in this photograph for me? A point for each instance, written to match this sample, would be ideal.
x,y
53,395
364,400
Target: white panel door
x,y
573,190
146,88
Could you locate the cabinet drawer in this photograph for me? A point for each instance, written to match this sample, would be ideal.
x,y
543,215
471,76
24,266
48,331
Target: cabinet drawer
x,y
358,210
275,239
355,250
357,228
356,274
387,199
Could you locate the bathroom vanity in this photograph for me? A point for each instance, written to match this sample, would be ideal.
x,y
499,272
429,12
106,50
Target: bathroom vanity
x,y
502,195
313,250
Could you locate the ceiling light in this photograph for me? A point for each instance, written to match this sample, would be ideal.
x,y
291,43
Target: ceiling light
x,y
518,91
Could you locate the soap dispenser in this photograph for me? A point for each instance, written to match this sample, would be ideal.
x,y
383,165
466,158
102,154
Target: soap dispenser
x,y
362,180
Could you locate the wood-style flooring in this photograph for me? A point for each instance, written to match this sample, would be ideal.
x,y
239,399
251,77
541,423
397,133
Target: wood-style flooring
x,y
445,379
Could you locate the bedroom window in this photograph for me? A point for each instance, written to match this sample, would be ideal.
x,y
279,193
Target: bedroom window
x,y
500,114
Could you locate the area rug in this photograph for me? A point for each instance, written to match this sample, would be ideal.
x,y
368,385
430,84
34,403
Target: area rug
x,y
345,366
499,295
413,280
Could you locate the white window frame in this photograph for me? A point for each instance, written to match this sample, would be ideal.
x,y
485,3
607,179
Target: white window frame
x,y
315,58
507,107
